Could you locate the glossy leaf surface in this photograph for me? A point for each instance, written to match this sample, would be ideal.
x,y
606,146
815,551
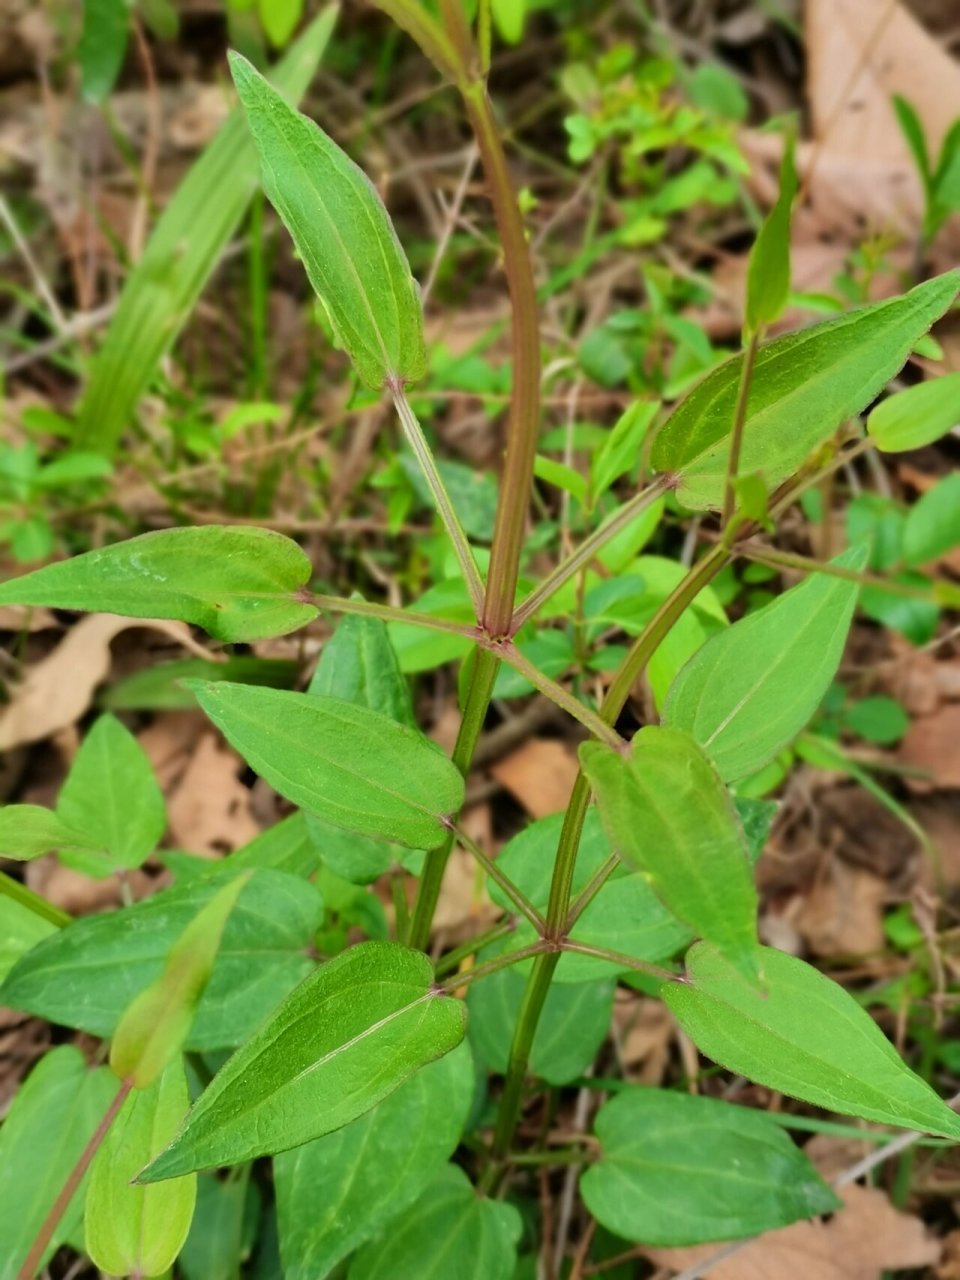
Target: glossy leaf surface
x,y
342,1041
352,766
237,582
804,1036
753,687
342,233
668,815
676,1169
804,386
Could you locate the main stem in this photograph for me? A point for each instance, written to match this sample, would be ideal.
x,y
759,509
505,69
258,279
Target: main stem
x,y
558,905
522,428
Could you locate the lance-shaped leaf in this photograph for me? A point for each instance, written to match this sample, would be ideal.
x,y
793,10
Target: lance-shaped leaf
x,y
51,1120
155,1026
768,271
669,815
237,582
111,794
86,974
338,1191
676,1170
343,1040
342,233
355,767
805,1036
752,688
131,1230
804,386
916,416
29,830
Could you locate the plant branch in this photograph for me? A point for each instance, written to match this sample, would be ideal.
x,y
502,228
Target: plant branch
x,y
620,959
519,900
458,980
418,443
412,17
450,959
588,549
739,422
387,613
806,564
34,1258
559,695
590,891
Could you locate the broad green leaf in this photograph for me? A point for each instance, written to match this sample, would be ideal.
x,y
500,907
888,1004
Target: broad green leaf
x,y
29,830
237,582
768,271
358,664
182,252
451,1233
86,974
155,1026
103,43
342,234
933,522
158,687
669,815
339,1191
219,1233
573,1026
625,916
354,767
917,416
676,1169
286,846
805,1036
51,1119
131,1230
112,796
20,930
340,1043
754,686
804,386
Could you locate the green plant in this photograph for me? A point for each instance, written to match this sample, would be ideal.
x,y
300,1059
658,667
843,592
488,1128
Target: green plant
x,y
354,1074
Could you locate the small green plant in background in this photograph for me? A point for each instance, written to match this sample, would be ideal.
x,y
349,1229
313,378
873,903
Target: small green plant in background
x,y
354,1067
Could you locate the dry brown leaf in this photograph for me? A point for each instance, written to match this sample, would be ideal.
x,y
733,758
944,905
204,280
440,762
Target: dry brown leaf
x,y
643,1030
540,774
932,744
859,1242
843,913
169,741
21,617
209,809
58,690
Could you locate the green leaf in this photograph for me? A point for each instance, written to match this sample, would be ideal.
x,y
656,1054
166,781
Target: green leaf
x,y
933,522
133,1230
237,582
621,448
912,129
508,15
155,1026
103,44
20,930
342,233
680,1170
279,19
878,719
29,830
917,416
181,254
669,815
804,386
86,974
342,1041
561,477
113,798
768,272
51,1120
804,1036
449,1221
754,686
354,767
158,688
358,664
339,1191
625,915
217,1242
573,1026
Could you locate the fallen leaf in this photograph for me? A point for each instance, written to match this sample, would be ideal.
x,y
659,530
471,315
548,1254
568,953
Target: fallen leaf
x,y
209,808
861,1241
932,745
843,913
540,774
21,617
59,689
643,1030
